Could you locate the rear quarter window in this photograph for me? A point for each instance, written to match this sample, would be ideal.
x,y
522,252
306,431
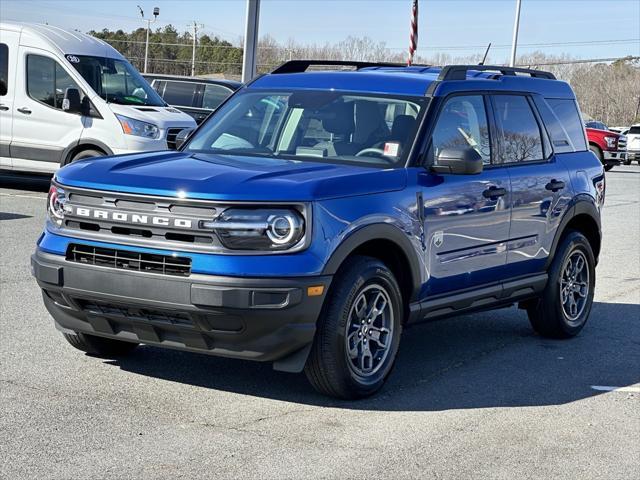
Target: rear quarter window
x,y
567,112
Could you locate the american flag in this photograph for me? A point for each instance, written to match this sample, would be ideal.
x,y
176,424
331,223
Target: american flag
x,y
413,37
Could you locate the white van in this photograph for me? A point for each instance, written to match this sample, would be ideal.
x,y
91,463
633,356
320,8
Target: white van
x,y
66,95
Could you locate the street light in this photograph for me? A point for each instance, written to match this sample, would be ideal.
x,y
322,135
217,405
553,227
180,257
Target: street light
x,y
156,12
514,40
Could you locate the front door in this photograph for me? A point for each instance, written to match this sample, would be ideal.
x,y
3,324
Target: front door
x,y
466,216
540,183
41,129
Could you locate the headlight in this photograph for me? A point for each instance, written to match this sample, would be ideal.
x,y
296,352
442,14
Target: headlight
x,y
258,229
56,201
131,126
611,141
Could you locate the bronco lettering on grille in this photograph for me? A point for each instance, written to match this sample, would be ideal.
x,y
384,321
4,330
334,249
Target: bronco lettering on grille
x,y
133,218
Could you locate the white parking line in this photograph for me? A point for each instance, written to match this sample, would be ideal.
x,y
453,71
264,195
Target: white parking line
x,y
603,388
21,196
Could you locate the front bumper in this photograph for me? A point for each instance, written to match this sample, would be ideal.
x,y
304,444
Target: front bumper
x,y
263,319
633,155
613,158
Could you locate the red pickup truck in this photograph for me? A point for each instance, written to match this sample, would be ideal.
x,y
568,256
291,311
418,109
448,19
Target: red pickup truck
x,y
610,147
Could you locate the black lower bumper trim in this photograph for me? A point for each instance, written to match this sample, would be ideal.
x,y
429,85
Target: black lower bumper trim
x,y
263,319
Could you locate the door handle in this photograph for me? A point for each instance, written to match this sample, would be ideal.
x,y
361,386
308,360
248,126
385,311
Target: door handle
x,y
554,185
4,108
494,192
25,110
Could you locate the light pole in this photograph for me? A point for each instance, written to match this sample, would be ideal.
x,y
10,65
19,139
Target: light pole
x,y
193,52
156,12
514,41
250,41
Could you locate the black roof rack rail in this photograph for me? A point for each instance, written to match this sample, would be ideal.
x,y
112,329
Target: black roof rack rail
x,y
298,66
459,72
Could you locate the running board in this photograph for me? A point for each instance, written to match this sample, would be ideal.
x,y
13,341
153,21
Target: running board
x,y
478,299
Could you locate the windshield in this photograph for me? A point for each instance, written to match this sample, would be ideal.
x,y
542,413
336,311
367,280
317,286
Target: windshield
x,y
116,81
309,125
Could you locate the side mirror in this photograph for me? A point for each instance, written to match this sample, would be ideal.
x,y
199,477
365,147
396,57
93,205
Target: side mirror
x,y
71,102
182,137
458,161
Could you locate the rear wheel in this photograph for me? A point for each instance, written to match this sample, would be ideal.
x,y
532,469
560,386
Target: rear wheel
x,y
563,308
99,346
358,331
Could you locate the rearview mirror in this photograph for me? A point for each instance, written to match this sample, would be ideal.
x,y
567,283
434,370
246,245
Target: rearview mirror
x,y
458,161
71,102
182,137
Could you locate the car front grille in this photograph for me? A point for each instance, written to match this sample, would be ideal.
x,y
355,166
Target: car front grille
x,y
622,143
172,133
128,260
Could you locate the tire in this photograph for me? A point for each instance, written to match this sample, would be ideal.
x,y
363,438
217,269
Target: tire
x,y
344,320
549,316
85,154
608,167
99,346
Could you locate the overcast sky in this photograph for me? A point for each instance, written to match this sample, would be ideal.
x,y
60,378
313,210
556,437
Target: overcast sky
x,y
581,28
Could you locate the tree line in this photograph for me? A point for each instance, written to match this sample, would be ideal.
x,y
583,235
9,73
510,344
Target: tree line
x,y
606,91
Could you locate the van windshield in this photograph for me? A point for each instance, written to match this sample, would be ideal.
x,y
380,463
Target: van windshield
x,y
116,81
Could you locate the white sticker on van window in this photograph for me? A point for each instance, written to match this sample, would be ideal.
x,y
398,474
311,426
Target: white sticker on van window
x,y
391,149
73,59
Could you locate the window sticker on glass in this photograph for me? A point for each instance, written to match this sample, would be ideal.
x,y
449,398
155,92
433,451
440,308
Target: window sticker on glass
x,y
73,59
391,149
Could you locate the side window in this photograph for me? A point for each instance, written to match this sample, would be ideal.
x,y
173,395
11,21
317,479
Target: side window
x,y
462,123
180,93
41,78
214,95
519,132
4,69
567,112
47,81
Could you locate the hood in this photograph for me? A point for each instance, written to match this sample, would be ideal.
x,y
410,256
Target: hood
x,y
597,131
225,177
163,117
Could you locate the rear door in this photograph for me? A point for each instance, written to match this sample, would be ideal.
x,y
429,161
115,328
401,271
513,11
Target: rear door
x,y
466,216
540,184
8,58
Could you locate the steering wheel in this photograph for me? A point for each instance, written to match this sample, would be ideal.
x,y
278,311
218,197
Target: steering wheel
x,y
378,153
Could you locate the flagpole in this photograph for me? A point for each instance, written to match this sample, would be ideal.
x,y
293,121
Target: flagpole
x,y
516,27
413,34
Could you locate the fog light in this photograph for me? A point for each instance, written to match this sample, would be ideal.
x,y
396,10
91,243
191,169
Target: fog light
x,y
315,291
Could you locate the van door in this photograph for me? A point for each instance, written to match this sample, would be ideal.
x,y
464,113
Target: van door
x,y
8,57
42,131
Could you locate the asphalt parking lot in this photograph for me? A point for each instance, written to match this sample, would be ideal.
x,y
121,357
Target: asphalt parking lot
x,y
477,396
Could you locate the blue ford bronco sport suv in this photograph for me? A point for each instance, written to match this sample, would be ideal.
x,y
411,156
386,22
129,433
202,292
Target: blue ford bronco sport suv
x,y
319,213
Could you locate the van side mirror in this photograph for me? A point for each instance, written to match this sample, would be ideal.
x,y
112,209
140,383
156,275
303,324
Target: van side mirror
x,y
182,137
458,161
71,102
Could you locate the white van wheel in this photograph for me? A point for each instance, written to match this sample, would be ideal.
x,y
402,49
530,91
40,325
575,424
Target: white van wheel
x,y
85,154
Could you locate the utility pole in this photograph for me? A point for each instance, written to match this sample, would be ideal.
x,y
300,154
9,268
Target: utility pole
x,y
156,12
195,41
514,41
250,41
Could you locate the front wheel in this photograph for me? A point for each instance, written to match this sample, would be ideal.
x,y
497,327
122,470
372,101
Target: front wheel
x,y
358,331
565,304
608,167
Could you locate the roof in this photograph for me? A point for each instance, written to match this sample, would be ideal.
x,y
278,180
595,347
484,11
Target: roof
x,y
413,81
65,41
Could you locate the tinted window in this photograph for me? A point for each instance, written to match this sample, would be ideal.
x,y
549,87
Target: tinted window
x,y
180,93
4,69
567,113
520,137
41,78
462,123
214,95
634,130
